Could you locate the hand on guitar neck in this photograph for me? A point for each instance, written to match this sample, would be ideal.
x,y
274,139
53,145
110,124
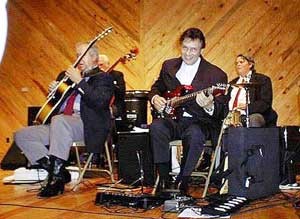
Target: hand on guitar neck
x,y
73,74
206,102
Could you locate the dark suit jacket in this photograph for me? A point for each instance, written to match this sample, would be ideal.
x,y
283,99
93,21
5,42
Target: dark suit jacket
x,y
261,97
94,109
206,76
119,106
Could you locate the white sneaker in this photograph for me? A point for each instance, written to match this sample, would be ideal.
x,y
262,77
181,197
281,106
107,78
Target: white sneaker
x,y
289,186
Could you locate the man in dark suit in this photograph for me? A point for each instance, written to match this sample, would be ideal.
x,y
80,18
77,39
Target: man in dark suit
x,y
196,120
119,105
84,116
260,94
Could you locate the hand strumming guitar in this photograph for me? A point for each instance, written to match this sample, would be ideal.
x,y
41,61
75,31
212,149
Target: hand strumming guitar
x,y
159,103
52,86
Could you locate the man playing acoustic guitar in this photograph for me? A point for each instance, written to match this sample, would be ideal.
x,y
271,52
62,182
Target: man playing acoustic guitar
x,y
83,116
195,120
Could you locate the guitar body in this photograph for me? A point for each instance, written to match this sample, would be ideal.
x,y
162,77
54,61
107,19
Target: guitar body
x,y
53,103
170,110
179,91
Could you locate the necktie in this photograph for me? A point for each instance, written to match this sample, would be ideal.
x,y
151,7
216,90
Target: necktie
x,y
236,99
69,106
235,102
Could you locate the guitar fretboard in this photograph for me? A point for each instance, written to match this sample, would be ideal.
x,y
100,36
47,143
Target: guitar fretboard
x,y
179,100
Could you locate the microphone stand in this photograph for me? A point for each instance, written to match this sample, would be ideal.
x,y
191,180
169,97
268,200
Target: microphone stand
x,y
247,107
141,178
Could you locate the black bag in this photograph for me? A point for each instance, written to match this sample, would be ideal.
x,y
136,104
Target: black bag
x,y
254,161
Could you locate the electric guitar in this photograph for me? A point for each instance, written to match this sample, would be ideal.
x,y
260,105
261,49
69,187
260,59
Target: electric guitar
x,y
63,89
181,95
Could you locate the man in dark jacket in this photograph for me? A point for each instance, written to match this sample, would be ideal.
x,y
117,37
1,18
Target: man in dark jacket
x,y
260,94
119,105
84,116
195,120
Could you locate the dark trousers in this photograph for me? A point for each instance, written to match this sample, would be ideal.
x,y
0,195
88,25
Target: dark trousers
x,y
162,131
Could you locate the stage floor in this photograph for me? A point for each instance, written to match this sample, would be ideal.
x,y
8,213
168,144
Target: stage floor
x,y
20,201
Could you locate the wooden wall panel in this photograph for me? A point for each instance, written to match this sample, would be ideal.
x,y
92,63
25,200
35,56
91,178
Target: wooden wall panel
x,y
42,36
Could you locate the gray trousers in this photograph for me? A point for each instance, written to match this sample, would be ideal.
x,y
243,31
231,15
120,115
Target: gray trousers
x,y
59,135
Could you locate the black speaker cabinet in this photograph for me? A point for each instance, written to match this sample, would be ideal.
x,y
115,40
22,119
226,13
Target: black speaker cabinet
x,y
136,106
253,155
132,148
13,159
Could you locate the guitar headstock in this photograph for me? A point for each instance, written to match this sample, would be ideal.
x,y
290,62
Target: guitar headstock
x,y
220,89
103,34
129,56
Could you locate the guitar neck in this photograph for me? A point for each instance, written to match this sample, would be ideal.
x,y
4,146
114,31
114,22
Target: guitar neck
x,y
188,97
113,66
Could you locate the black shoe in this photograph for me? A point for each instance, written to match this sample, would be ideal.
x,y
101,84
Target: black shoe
x,y
66,176
44,163
55,187
56,178
182,184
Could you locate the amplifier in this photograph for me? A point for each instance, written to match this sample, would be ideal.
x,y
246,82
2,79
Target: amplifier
x,y
134,156
253,158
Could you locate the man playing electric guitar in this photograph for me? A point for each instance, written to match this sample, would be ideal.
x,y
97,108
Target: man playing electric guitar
x,y
198,120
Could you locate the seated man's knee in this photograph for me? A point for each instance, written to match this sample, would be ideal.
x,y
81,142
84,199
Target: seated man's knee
x,y
194,132
157,126
21,134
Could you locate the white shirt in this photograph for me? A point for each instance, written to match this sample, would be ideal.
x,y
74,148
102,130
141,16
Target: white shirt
x,y
186,74
242,94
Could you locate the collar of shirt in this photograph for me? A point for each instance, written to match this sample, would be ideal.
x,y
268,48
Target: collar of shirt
x,y
186,73
246,79
242,93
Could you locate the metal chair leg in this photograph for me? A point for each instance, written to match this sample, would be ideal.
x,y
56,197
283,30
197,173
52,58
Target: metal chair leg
x,y
79,180
217,151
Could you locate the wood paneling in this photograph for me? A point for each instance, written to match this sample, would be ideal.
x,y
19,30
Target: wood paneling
x,y
42,35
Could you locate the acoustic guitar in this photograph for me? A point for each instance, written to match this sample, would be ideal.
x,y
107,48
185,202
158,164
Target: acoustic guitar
x,y
183,94
63,89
